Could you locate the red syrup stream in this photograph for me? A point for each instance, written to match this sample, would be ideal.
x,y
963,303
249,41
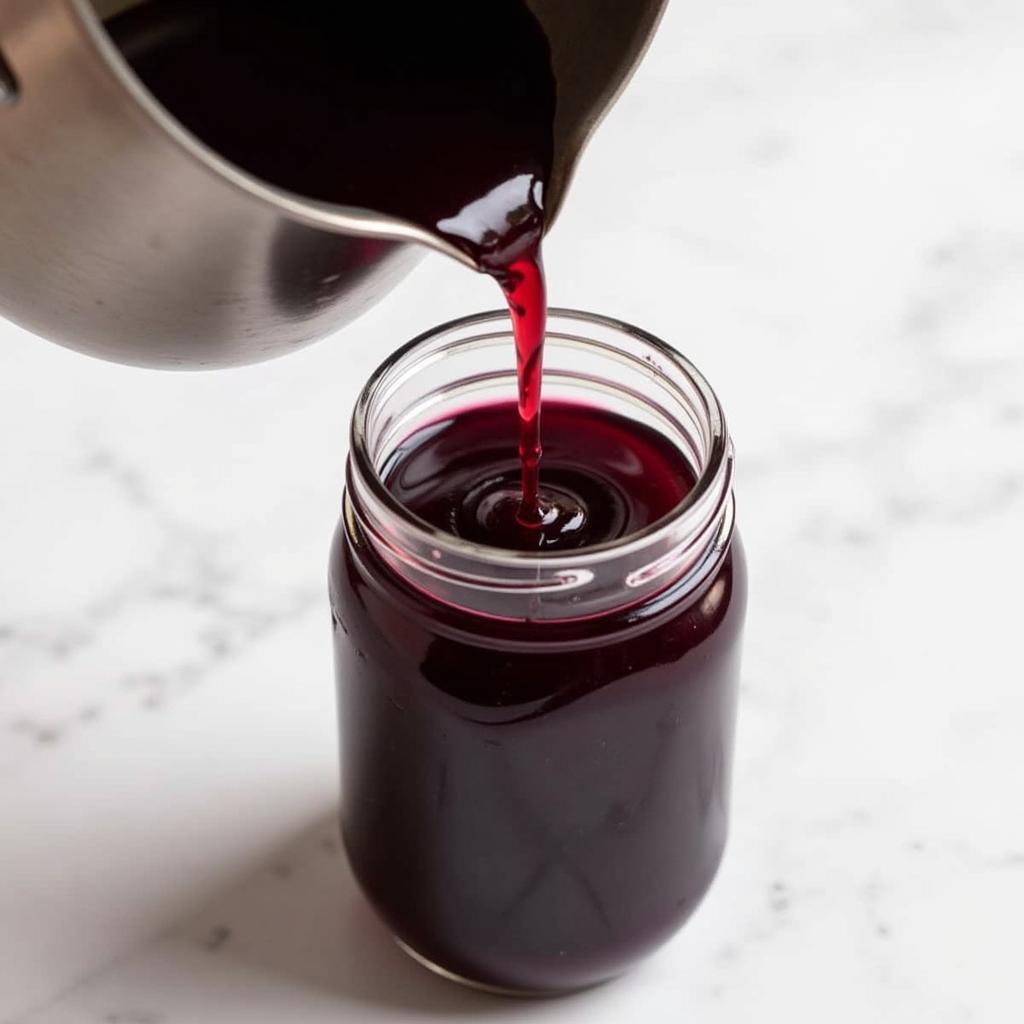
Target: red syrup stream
x,y
524,287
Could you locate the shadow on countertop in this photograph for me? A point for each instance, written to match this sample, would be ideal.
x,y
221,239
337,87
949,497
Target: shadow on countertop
x,y
296,933
303,917
290,940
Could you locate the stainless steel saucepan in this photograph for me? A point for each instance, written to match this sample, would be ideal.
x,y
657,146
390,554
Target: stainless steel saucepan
x,y
125,237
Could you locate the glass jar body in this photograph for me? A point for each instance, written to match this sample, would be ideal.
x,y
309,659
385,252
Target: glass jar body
x,y
533,809
536,746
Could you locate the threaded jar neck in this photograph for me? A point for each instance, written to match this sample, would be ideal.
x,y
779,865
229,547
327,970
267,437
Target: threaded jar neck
x,y
590,359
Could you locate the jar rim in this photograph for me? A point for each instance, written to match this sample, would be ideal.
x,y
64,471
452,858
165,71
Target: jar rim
x,y
714,476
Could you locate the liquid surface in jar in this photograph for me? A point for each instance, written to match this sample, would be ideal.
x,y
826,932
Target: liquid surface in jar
x,y
605,477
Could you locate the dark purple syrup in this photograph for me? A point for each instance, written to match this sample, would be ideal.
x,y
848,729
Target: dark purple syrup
x,y
534,805
604,477
437,113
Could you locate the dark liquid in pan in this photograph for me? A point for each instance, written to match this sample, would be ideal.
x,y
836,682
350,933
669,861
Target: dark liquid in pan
x,y
437,113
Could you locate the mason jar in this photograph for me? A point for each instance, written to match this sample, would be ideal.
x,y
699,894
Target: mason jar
x,y
536,746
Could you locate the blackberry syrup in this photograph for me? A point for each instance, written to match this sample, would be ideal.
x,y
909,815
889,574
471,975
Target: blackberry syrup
x,y
534,805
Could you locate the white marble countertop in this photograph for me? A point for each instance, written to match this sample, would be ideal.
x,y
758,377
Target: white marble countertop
x,y
829,219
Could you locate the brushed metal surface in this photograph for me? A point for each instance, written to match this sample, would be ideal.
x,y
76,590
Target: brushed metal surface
x,y
596,46
123,236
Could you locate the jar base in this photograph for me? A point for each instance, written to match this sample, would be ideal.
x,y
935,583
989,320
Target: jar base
x,y
482,986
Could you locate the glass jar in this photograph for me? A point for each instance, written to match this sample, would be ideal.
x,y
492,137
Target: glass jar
x,y
536,747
